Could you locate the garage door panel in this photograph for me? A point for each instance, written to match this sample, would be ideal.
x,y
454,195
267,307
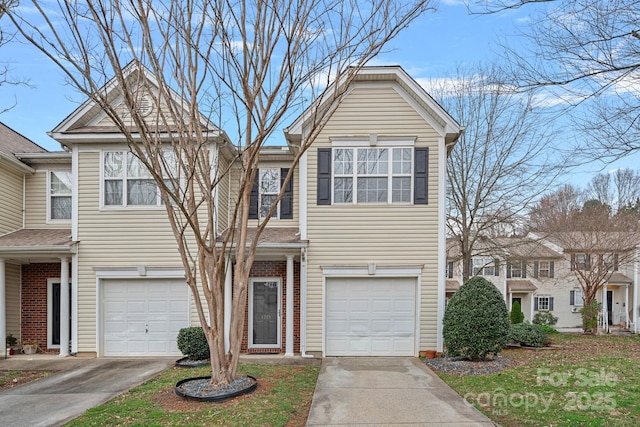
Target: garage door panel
x,y
142,317
380,320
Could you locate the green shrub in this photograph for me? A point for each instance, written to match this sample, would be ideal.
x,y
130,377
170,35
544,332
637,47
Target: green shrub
x,y
476,321
548,329
527,334
590,314
517,316
545,318
193,344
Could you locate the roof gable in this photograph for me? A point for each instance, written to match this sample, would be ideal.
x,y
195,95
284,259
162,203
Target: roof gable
x,y
90,119
406,87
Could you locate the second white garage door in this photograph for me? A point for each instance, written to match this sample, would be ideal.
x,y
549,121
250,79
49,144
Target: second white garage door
x,y
370,317
142,317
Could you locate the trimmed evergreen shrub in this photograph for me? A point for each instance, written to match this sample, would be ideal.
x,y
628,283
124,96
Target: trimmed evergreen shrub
x,y
476,321
193,344
545,318
527,334
517,316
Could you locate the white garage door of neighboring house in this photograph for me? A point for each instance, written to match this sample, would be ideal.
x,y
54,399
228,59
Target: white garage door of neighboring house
x,y
142,317
370,317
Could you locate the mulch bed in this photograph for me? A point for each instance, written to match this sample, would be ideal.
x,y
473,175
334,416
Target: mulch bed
x,y
464,366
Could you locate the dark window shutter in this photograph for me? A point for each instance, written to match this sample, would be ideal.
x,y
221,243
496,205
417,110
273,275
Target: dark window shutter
x,y
471,269
535,304
286,204
421,176
496,267
253,199
588,258
508,270
615,262
524,269
536,267
573,262
324,176
551,269
450,276
572,297
550,303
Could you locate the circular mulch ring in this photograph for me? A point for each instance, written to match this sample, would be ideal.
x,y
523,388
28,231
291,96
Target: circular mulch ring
x,y
464,366
185,362
200,388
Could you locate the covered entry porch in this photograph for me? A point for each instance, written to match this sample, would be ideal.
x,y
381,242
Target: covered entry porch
x,y
36,291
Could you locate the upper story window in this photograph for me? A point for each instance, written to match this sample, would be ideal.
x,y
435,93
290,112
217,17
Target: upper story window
x,y
545,269
449,270
609,261
266,187
580,261
372,175
484,266
516,269
59,195
127,182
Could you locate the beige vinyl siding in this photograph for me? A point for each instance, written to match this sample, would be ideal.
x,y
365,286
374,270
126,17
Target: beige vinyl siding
x,y
399,235
36,201
11,206
222,190
12,276
113,238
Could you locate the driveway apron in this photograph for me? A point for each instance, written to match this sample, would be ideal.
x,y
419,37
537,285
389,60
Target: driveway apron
x,y
387,391
65,395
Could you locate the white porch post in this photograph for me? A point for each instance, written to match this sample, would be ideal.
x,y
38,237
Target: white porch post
x,y
3,307
289,308
64,307
635,293
626,305
228,289
605,309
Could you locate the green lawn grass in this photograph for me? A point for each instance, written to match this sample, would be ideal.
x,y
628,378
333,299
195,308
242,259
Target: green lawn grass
x,y
590,381
283,397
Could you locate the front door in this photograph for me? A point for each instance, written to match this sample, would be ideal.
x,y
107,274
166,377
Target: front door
x,y
610,307
264,313
54,314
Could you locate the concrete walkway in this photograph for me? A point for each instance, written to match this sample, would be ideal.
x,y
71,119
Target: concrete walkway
x,y
387,391
80,384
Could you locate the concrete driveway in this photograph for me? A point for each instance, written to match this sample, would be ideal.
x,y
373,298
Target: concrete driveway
x,y
81,384
387,391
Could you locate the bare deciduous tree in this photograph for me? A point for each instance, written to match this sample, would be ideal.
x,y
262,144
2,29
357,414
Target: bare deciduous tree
x,y
5,37
586,54
619,189
248,64
556,208
502,161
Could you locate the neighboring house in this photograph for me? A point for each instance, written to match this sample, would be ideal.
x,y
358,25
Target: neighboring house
x,y
351,264
539,274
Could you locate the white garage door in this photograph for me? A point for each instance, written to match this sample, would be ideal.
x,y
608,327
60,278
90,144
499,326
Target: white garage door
x,y
142,317
370,317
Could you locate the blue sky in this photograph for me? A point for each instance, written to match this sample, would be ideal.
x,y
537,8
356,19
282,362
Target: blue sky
x,y
431,47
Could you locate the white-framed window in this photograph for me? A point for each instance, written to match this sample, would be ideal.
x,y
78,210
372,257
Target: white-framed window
x,y
372,175
59,189
483,266
269,187
581,262
577,297
609,261
449,270
544,269
515,269
127,182
543,303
